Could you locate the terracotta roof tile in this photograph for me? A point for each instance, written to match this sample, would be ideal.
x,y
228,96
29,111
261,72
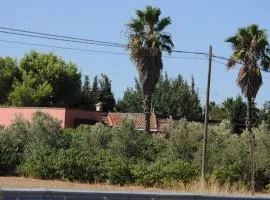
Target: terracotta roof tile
x,y
115,120
105,120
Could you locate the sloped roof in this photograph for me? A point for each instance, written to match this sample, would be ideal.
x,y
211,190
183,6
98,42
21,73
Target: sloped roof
x,y
115,120
105,120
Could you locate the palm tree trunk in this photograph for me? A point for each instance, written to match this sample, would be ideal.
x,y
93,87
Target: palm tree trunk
x,y
147,112
252,145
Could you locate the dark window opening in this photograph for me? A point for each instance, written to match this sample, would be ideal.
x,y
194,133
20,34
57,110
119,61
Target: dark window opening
x,y
78,122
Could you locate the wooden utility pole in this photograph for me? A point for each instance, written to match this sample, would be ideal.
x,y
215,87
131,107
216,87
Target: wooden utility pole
x,y
206,117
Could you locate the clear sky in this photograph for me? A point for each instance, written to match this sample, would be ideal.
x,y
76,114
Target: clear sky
x,y
195,25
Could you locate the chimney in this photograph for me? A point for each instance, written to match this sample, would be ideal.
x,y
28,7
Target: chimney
x,y
99,107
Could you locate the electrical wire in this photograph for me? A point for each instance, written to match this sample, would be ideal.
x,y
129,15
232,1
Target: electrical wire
x,y
34,34
241,63
90,50
61,47
58,39
190,52
61,36
265,77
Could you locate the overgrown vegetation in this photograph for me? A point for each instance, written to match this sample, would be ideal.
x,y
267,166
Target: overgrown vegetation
x,y
172,97
41,149
45,79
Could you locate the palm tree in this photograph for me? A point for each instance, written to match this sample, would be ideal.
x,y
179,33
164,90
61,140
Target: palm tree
x,y
251,50
146,41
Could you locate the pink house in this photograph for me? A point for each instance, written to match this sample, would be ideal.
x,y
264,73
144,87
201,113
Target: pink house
x,y
70,118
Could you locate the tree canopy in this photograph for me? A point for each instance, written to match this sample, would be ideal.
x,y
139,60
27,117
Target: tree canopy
x,y
146,41
172,97
46,80
9,73
63,78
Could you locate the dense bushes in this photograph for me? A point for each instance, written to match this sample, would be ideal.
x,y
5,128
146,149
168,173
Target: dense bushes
x,y
10,153
122,155
164,172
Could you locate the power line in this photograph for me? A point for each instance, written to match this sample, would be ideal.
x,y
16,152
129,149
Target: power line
x,y
34,34
265,77
190,52
241,63
89,50
58,39
62,36
60,47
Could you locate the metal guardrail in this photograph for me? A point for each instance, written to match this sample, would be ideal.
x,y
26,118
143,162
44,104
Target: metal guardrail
x,y
53,194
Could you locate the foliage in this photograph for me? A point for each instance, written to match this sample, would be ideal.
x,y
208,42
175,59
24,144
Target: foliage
x,y
164,172
136,146
172,97
185,139
86,101
264,113
63,78
117,170
216,111
41,149
29,91
95,90
228,154
131,101
146,41
91,138
102,92
45,130
10,153
262,158
9,73
236,113
38,162
105,93
234,110
46,80
251,47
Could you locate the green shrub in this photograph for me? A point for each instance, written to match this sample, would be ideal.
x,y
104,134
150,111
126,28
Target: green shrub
x,y
262,156
123,155
73,164
19,131
137,146
45,129
10,153
185,140
39,162
228,155
91,138
65,164
117,170
164,172
13,140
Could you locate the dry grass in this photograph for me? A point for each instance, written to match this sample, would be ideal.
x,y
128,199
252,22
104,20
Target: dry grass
x,y
21,182
212,187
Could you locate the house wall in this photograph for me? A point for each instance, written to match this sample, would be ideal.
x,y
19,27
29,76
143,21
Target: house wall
x,y
75,114
8,114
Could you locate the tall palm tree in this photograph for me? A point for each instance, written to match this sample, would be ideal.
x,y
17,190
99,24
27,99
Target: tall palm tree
x,y
146,41
251,50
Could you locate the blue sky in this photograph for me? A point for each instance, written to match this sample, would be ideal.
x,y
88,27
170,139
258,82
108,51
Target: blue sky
x,y
196,24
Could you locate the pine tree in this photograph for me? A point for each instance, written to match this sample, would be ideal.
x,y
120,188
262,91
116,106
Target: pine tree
x,y
86,96
95,91
172,97
106,95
